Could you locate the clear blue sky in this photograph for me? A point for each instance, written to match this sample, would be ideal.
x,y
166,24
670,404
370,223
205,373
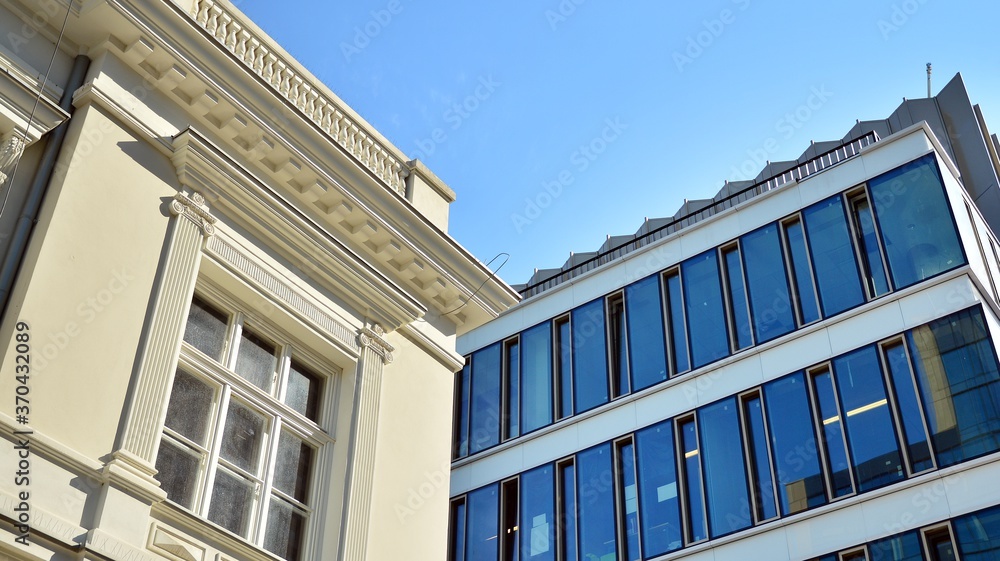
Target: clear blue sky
x,y
672,98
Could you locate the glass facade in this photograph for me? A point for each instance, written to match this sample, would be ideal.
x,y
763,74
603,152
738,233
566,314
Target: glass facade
x,y
710,472
536,382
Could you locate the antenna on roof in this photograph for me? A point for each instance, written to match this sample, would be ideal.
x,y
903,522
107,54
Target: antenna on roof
x,y
928,80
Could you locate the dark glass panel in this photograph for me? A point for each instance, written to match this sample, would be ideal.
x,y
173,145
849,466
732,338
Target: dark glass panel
x,y
293,466
693,495
510,533
833,257
482,524
596,503
904,547
564,366
917,444
285,529
484,422
767,283
801,272
456,546
618,346
915,221
206,328
302,393
706,314
463,387
189,407
538,515
568,513
870,248
978,535
722,458
660,507
512,392
793,444
232,500
765,506
177,471
590,361
646,349
832,425
738,305
680,361
628,502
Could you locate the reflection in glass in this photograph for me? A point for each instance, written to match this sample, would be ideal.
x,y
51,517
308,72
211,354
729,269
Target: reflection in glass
x,y
765,507
538,516
536,374
484,422
512,382
482,523
726,491
801,272
590,363
833,256
596,503
831,423
564,366
705,310
628,501
870,248
793,444
738,306
679,360
917,445
693,498
767,283
660,513
243,437
646,349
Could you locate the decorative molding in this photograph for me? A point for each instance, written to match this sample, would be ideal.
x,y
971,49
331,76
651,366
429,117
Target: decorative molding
x,y
9,152
166,542
279,72
194,209
280,291
372,336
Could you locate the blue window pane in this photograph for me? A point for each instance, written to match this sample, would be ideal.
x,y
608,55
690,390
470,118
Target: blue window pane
x,y
618,346
590,361
596,504
960,386
628,501
693,495
915,221
512,373
483,522
832,424
705,309
660,506
647,353
793,444
456,546
678,326
905,547
917,445
978,535
767,283
871,432
833,256
485,410
722,458
538,515
536,377
564,367
765,506
463,381
738,305
568,513
878,283
801,272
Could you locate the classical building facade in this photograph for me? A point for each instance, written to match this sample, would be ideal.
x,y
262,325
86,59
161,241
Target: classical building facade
x,y
804,367
230,306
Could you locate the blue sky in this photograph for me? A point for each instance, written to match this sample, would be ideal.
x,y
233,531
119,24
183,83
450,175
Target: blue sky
x,y
563,121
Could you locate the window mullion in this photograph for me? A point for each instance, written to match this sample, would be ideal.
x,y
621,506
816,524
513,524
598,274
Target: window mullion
x,y
267,477
284,363
235,334
215,450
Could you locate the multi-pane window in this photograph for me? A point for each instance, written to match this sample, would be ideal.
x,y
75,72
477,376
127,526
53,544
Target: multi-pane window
x,y
241,433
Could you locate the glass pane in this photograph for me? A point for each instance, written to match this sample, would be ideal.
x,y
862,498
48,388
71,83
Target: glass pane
x,y
871,431
801,272
512,377
302,393
536,370
565,368
538,515
485,411
206,328
898,548
293,466
647,352
190,406
509,528
833,434
960,386
833,256
177,472
705,309
590,362
767,283
232,501
618,346
596,507
456,547
726,491
243,437
918,448
978,535
678,327
661,511
793,444
285,529
483,522
694,499
871,250
915,220
765,506
628,501
738,305
568,513
941,547
255,360
463,382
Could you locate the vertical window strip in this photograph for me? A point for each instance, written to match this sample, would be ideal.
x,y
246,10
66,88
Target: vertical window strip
x,y
693,496
830,423
679,355
738,307
869,246
803,284
758,457
618,346
511,388
562,354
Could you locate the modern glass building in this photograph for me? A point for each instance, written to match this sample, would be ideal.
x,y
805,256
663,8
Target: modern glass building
x,y
803,368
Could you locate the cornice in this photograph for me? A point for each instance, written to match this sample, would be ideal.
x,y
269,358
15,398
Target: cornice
x,y
20,84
